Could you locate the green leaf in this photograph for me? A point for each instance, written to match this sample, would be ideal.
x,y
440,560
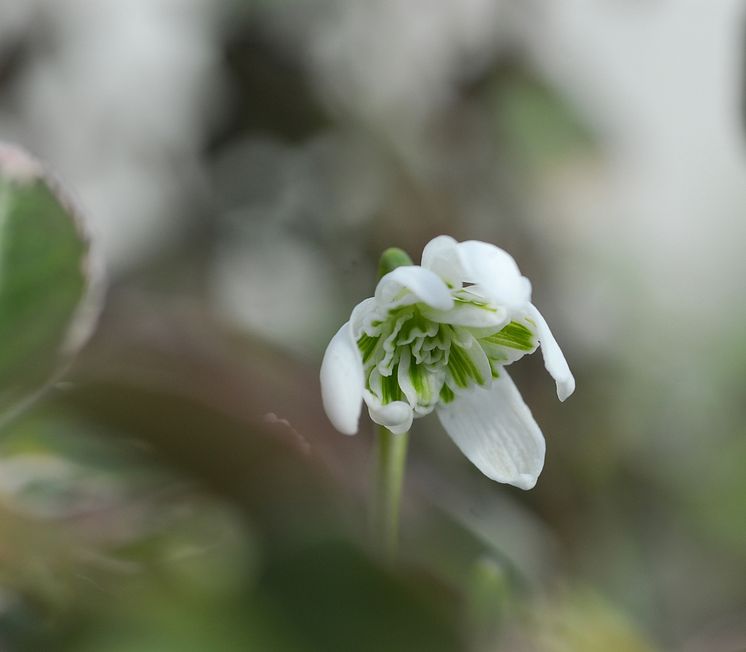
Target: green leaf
x,y
44,279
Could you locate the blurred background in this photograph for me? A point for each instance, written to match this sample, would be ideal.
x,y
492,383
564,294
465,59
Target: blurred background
x,y
242,165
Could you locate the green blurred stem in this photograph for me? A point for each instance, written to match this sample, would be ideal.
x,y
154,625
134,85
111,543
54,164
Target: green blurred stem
x,y
391,458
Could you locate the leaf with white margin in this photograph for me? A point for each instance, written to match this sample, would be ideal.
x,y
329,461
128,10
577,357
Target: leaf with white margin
x,y
494,428
50,288
342,381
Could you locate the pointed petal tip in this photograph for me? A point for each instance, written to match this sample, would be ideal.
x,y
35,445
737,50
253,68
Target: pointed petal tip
x,y
554,359
565,388
525,481
346,426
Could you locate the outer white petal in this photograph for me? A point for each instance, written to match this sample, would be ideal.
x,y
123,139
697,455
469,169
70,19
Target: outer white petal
x,y
442,257
494,428
342,381
413,284
554,360
494,273
397,416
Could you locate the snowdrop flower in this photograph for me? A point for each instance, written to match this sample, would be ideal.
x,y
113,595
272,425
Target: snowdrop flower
x,y
437,337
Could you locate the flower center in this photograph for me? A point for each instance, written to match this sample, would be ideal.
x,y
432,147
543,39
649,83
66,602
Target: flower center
x,y
409,357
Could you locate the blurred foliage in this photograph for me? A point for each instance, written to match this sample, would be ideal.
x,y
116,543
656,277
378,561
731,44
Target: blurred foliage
x,y
44,272
578,621
536,125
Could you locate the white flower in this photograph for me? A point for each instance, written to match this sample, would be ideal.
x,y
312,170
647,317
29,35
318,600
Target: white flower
x,y
438,336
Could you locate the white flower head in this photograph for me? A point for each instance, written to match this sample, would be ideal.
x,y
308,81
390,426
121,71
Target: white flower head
x,y
438,336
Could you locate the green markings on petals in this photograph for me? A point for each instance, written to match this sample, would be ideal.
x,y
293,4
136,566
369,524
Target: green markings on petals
x,y
419,376
514,336
438,359
367,346
462,368
390,390
472,300
446,394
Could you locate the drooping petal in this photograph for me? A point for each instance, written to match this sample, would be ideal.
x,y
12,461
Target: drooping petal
x,y
413,284
441,256
554,360
494,428
494,273
397,416
342,381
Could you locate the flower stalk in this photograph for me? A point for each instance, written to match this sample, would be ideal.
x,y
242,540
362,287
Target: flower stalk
x,y
391,460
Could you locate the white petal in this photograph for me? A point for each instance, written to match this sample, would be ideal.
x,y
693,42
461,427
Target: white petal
x,y
441,256
413,284
494,273
362,316
554,360
468,314
397,416
494,428
342,381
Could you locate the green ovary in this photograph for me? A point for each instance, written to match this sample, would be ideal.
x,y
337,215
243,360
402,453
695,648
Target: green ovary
x,y
437,360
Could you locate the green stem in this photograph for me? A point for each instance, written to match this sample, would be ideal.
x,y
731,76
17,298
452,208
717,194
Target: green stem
x,y
391,457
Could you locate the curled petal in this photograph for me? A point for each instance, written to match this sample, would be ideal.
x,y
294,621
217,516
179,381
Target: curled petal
x,y
413,284
494,428
494,272
442,257
554,360
362,316
397,416
342,381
